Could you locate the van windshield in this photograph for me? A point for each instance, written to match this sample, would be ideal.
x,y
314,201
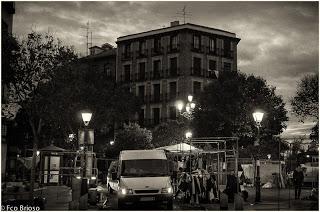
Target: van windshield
x,y
144,168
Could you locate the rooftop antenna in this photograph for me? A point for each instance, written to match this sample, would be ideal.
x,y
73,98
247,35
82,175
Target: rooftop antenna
x,y
184,14
88,44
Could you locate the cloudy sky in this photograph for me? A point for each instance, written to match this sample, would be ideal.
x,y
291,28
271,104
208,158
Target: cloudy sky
x,y
279,40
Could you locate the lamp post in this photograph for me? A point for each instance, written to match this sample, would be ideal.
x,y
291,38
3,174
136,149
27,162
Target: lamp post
x,y
258,116
86,118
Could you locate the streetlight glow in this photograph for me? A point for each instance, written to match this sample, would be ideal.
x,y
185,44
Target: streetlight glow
x,y
111,142
180,106
190,98
188,134
86,117
257,116
188,108
192,105
38,153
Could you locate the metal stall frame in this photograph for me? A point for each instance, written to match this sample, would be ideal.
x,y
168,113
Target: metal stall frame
x,y
218,141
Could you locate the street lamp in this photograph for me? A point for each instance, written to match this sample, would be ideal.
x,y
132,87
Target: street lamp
x,y
258,116
188,135
86,118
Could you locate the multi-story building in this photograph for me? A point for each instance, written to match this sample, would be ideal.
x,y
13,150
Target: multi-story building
x,y
168,64
101,60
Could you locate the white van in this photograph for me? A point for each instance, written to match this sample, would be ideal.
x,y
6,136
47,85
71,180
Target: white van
x,y
144,177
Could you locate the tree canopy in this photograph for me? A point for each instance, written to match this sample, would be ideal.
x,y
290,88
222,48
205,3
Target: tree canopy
x,y
305,104
168,133
131,137
225,108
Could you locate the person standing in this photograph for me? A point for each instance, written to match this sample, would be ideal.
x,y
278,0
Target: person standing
x,y
298,181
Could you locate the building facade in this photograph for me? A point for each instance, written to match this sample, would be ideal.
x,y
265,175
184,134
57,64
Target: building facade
x,y
166,65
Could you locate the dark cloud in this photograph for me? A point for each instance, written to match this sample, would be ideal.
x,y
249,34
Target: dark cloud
x,y
279,40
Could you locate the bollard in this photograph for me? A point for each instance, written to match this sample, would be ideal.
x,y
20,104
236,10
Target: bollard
x,y
238,202
83,203
223,201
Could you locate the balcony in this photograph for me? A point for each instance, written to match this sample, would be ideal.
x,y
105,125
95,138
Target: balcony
x,y
142,53
227,53
157,75
212,51
141,76
197,72
126,55
172,72
156,98
171,96
125,78
173,48
157,51
200,48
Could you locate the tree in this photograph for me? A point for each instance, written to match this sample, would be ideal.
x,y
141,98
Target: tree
x,y
39,58
306,101
168,133
225,108
305,104
131,137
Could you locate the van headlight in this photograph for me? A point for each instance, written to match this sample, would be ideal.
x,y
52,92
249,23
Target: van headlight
x,y
125,191
168,190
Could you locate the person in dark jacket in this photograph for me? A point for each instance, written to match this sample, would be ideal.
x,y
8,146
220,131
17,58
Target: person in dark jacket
x,y
298,181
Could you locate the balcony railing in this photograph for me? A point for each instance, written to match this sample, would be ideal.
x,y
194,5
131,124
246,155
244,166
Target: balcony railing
x,y
172,72
173,48
199,49
198,72
142,53
126,78
157,74
141,76
157,51
227,53
127,55
212,51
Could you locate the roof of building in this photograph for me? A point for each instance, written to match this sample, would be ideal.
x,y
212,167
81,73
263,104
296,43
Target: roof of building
x,y
142,154
179,27
52,148
105,53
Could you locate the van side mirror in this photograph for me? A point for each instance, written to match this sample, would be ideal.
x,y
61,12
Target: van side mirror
x,y
114,175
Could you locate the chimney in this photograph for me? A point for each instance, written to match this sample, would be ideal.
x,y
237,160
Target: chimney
x,y
174,23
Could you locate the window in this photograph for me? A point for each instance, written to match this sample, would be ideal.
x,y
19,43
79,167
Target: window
x,y
127,73
212,45
156,68
196,42
172,90
197,66
196,87
141,117
173,66
156,115
142,47
227,66
172,112
212,65
141,92
157,44
156,92
142,70
174,42
107,70
127,50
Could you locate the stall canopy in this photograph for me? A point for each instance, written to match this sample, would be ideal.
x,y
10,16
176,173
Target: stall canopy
x,y
181,147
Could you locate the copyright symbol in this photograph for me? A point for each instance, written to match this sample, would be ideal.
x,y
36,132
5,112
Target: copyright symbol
x,y
3,208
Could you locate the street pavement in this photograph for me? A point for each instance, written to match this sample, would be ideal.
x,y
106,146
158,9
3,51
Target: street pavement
x,y
58,198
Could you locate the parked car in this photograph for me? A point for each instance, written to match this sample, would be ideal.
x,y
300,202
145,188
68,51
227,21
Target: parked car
x,y
112,184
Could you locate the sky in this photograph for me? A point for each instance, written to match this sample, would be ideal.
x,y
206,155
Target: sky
x,y
279,40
